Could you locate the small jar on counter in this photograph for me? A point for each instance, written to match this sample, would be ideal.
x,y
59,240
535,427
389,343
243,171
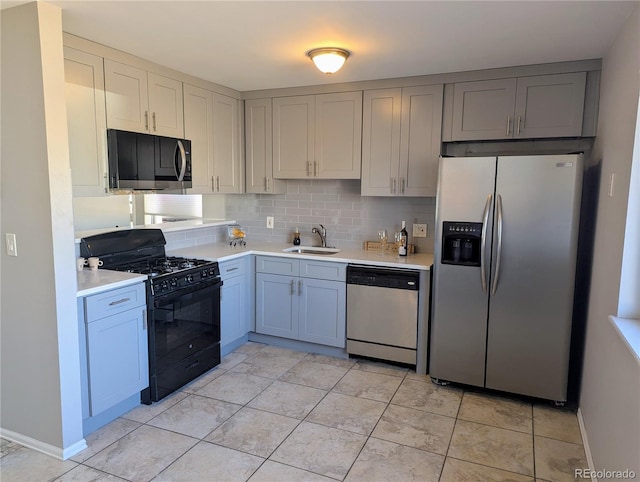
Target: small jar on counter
x,y
296,238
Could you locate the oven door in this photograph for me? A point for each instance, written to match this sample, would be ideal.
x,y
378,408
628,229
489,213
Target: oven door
x,y
184,337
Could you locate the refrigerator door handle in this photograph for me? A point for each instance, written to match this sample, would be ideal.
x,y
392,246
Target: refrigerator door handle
x,y
499,250
483,243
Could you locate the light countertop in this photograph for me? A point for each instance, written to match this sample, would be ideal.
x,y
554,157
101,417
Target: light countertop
x,y
223,252
95,281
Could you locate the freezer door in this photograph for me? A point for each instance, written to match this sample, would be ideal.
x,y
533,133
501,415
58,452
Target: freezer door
x,y
530,308
459,316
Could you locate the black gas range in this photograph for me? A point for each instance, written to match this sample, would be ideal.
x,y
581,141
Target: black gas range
x,y
171,273
183,305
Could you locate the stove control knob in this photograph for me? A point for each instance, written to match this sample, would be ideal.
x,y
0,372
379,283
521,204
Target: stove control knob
x,y
204,274
164,286
189,278
174,283
212,272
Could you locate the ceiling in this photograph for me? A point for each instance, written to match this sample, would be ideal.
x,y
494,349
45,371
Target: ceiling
x,y
254,45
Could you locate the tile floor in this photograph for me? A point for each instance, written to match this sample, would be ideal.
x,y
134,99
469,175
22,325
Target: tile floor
x,y
270,414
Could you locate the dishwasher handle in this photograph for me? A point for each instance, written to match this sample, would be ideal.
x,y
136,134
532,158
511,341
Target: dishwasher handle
x,y
402,279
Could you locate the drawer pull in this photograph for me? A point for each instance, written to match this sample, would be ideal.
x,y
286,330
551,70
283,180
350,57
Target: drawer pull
x,y
123,300
232,269
144,320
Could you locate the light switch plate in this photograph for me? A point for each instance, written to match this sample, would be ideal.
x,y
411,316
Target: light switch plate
x,y
419,230
12,248
270,222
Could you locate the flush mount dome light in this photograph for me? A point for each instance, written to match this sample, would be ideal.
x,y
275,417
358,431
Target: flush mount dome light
x,y
328,59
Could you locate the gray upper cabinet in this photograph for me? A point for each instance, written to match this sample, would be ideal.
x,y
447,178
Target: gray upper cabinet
x,y
86,121
212,124
401,141
258,129
141,101
317,136
550,105
519,108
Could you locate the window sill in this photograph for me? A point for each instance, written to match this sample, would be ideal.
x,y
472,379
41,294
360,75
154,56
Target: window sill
x,y
629,331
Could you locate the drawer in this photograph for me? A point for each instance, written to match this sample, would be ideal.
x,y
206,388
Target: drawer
x,y
277,265
323,270
115,301
236,267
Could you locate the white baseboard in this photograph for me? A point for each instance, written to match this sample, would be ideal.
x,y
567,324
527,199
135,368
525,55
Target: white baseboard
x,y
45,448
585,443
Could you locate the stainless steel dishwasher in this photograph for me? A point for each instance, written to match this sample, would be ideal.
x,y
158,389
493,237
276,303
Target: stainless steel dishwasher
x,y
382,313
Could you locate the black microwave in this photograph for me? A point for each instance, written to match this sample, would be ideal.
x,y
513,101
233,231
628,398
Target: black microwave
x,y
148,162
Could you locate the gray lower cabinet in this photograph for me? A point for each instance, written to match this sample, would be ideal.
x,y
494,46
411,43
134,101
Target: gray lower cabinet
x,y
519,108
114,337
301,299
234,309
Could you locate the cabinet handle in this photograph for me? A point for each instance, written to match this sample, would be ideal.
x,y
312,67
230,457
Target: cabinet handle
x,y
293,287
300,285
309,168
508,125
518,126
144,320
402,186
106,183
213,183
315,168
146,120
154,122
266,184
123,300
217,183
232,269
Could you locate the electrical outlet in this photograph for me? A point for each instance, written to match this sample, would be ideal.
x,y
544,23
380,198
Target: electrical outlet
x,y
270,222
419,230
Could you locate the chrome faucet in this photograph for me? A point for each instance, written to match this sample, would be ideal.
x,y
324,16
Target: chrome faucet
x,y
322,232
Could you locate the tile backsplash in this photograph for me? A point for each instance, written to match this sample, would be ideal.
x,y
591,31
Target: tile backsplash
x,y
350,219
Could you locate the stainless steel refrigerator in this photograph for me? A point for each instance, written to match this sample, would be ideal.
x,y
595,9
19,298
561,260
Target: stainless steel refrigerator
x,y
504,267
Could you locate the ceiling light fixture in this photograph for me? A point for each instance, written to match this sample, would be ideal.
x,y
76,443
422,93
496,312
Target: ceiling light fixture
x,y
328,59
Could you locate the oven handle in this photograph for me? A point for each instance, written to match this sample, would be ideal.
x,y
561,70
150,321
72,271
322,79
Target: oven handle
x,y
162,299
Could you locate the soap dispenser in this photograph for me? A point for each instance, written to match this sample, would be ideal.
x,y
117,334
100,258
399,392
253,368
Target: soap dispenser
x,y
296,238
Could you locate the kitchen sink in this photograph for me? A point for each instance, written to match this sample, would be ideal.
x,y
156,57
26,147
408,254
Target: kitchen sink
x,y
312,250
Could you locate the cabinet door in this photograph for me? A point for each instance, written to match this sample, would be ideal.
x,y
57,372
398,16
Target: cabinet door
x,y
322,311
165,106
127,97
227,170
258,123
234,314
86,121
338,136
483,110
198,128
420,140
276,305
293,137
381,142
118,358
550,105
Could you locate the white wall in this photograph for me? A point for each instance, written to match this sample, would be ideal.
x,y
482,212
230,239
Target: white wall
x,y
40,398
610,396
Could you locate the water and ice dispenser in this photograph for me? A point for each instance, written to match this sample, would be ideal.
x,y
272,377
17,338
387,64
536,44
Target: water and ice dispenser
x,y
461,243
